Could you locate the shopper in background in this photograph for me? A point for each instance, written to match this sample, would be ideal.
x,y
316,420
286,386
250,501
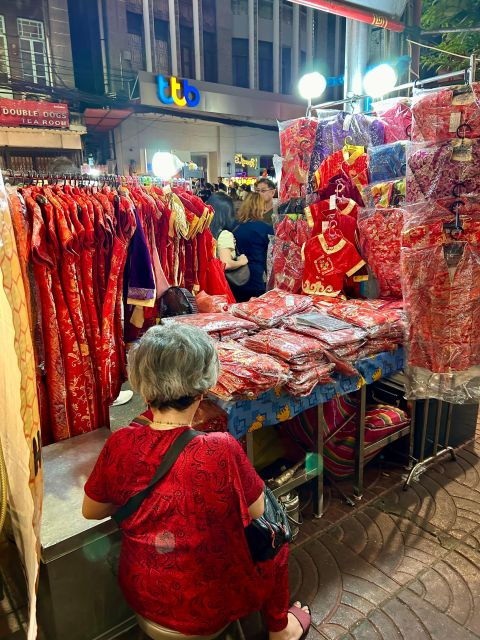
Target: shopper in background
x,y
200,507
267,188
251,236
224,218
244,191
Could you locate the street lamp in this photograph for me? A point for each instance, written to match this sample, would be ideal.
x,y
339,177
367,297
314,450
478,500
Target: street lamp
x,y
380,80
311,86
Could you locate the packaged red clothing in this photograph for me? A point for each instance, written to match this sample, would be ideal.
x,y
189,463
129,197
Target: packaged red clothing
x,y
302,383
297,138
380,240
396,115
441,278
369,315
352,161
246,374
285,345
216,324
319,215
333,339
285,263
441,170
329,258
211,304
447,113
272,307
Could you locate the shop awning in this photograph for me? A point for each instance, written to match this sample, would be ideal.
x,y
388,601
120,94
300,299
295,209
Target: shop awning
x,y
363,12
102,120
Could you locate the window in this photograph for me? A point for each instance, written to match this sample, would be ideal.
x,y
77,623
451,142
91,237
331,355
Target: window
x,y
187,51
162,46
303,18
240,62
286,70
239,7
210,68
303,62
4,63
265,9
33,51
287,12
265,65
135,40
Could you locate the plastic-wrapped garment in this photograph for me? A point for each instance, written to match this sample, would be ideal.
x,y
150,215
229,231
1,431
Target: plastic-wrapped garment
x,y
297,138
387,162
211,304
286,345
319,215
385,194
245,374
340,128
351,161
285,264
372,315
270,309
380,240
338,185
441,283
328,260
396,115
446,114
438,171
303,383
213,323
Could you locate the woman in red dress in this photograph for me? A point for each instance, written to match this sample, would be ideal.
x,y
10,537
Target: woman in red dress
x,y
185,564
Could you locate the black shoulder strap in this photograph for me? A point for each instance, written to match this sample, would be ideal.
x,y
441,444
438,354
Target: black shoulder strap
x,y
167,463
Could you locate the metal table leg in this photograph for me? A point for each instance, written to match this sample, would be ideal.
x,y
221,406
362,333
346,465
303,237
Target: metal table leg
x,y
412,408
360,446
318,452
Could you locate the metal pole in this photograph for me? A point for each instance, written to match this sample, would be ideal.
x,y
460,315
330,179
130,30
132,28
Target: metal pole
x,y
147,36
318,481
360,446
276,46
196,39
251,44
172,17
473,68
103,48
435,32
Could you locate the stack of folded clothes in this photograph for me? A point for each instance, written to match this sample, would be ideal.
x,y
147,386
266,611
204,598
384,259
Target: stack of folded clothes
x,y
341,347
221,326
246,374
270,309
303,355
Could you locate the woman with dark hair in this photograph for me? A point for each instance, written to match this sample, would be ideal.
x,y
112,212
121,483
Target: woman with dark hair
x,y
185,566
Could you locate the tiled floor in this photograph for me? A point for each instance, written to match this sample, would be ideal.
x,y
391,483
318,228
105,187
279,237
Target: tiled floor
x,y
400,565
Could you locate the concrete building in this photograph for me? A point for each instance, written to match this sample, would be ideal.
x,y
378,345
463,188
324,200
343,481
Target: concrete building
x,y
244,57
35,62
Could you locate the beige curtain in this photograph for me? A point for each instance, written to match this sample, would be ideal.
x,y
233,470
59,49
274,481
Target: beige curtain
x,y
19,414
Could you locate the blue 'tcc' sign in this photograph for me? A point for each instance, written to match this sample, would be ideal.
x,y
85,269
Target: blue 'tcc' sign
x,y
174,91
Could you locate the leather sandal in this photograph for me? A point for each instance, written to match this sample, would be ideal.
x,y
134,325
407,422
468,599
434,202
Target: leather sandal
x,y
303,617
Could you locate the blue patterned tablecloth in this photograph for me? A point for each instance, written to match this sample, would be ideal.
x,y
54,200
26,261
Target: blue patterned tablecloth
x,y
273,407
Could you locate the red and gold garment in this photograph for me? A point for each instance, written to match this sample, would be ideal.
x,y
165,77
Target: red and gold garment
x,y
396,116
297,138
376,316
447,114
272,307
351,161
218,325
319,215
380,239
286,259
246,374
327,263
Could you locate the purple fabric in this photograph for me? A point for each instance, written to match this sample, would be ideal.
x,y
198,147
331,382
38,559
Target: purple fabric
x,y
433,173
141,284
332,133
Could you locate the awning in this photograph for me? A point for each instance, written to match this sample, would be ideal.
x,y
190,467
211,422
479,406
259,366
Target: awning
x,y
355,11
102,120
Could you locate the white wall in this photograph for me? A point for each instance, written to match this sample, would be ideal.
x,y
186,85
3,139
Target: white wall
x,y
139,137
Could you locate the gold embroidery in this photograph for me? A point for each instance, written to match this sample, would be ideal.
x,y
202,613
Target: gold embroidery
x,y
317,288
327,248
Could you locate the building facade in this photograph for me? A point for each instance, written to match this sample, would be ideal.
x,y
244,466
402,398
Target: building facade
x,y
36,64
244,57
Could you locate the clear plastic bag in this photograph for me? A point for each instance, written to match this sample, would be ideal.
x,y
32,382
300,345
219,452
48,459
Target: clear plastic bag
x,y
297,138
387,162
441,170
396,116
380,242
384,194
444,114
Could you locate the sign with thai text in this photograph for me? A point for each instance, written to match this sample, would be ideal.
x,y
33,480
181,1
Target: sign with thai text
x,y
29,113
179,92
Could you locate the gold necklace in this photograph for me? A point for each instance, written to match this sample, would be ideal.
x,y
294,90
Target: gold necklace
x,y
162,423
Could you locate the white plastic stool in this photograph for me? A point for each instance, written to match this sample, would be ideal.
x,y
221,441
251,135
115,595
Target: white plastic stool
x,y
157,632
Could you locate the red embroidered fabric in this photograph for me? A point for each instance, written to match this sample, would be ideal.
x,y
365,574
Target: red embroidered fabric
x,y
206,494
396,116
297,138
272,307
286,263
446,114
380,240
218,325
245,374
372,315
353,166
319,215
328,261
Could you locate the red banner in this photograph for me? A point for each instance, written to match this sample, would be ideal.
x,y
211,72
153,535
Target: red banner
x,y
28,113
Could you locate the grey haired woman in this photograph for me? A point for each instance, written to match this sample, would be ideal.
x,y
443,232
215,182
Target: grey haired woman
x,y
185,566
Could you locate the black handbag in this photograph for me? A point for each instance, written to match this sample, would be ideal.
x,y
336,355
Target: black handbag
x,y
177,302
238,277
267,535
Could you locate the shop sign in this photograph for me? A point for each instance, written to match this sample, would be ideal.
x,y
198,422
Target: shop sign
x,y
29,113
243,162
172,90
